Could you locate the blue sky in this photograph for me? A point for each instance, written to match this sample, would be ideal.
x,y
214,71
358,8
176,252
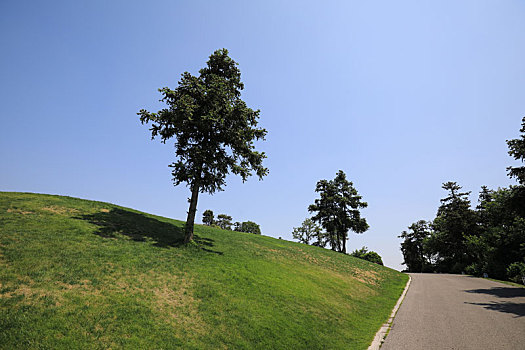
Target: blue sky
x,y
402,96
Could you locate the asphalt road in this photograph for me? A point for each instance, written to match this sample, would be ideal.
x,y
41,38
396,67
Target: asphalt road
x,y
458,312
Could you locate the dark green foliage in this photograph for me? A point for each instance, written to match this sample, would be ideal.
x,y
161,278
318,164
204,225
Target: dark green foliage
x,y
490,239
455,221
214,130
224,221
502,238
416,258
337,210
309,231
517,151
208,217
367,255
516,272
486,240
248,227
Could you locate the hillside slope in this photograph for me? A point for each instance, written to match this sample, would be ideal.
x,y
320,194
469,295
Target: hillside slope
x,y
84,274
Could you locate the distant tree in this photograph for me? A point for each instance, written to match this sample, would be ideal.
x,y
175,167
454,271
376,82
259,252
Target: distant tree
x,y
237,226
502,238
309,231
208,218
213,128
367,255
517,151
248,226
455,221
490,239
337,210
224,221
415,257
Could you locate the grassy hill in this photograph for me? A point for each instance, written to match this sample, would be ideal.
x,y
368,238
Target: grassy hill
x,y
84,274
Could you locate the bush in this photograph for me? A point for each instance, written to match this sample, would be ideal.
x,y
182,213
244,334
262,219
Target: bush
x,y
248,226
473,269
365,254
515,271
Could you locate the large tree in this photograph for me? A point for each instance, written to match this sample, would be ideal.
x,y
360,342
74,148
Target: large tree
x,y
213,128
337,210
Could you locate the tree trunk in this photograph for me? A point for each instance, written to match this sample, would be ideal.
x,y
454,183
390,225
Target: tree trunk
x,y
344,244
188,228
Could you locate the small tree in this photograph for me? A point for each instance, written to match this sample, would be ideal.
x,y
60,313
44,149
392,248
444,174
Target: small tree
x,y
517,150
213,128
307,232
208,218
237,226
224,221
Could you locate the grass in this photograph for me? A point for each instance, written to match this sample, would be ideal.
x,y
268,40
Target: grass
x,y
77,274
506,282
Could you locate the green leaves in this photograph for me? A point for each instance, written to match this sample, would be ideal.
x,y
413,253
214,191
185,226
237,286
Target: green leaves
x,y
517,151
337,210
214,130
308,231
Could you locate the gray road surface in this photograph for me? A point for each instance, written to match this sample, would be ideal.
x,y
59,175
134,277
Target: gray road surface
x,y
458,312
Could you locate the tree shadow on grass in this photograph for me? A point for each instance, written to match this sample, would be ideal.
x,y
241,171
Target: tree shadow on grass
x,y
141,228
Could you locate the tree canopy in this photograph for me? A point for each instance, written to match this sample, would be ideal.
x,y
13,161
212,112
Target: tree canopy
x,y
224,221
416,257
213,128
337,210
455,221
248,226
367,255
517,151
208,217
308,232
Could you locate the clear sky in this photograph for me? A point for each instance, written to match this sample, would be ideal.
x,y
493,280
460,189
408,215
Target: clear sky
x,y
401,95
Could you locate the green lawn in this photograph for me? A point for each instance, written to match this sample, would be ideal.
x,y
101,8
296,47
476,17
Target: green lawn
x,y
78,274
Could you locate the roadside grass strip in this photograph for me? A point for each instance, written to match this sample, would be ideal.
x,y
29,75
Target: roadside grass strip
x,y
382,333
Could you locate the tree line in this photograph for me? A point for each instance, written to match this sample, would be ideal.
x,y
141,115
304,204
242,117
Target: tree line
x,y
488,239
225,222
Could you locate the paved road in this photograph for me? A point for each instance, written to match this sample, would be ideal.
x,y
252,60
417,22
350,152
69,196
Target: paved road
x,y
458,312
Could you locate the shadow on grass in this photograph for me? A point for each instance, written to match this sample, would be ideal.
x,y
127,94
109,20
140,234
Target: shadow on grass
x,y
141,228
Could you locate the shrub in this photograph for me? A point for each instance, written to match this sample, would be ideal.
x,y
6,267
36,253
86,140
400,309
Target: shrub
x,y
516,271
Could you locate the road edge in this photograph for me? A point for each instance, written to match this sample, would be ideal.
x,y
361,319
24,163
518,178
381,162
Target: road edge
x,y
382,332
